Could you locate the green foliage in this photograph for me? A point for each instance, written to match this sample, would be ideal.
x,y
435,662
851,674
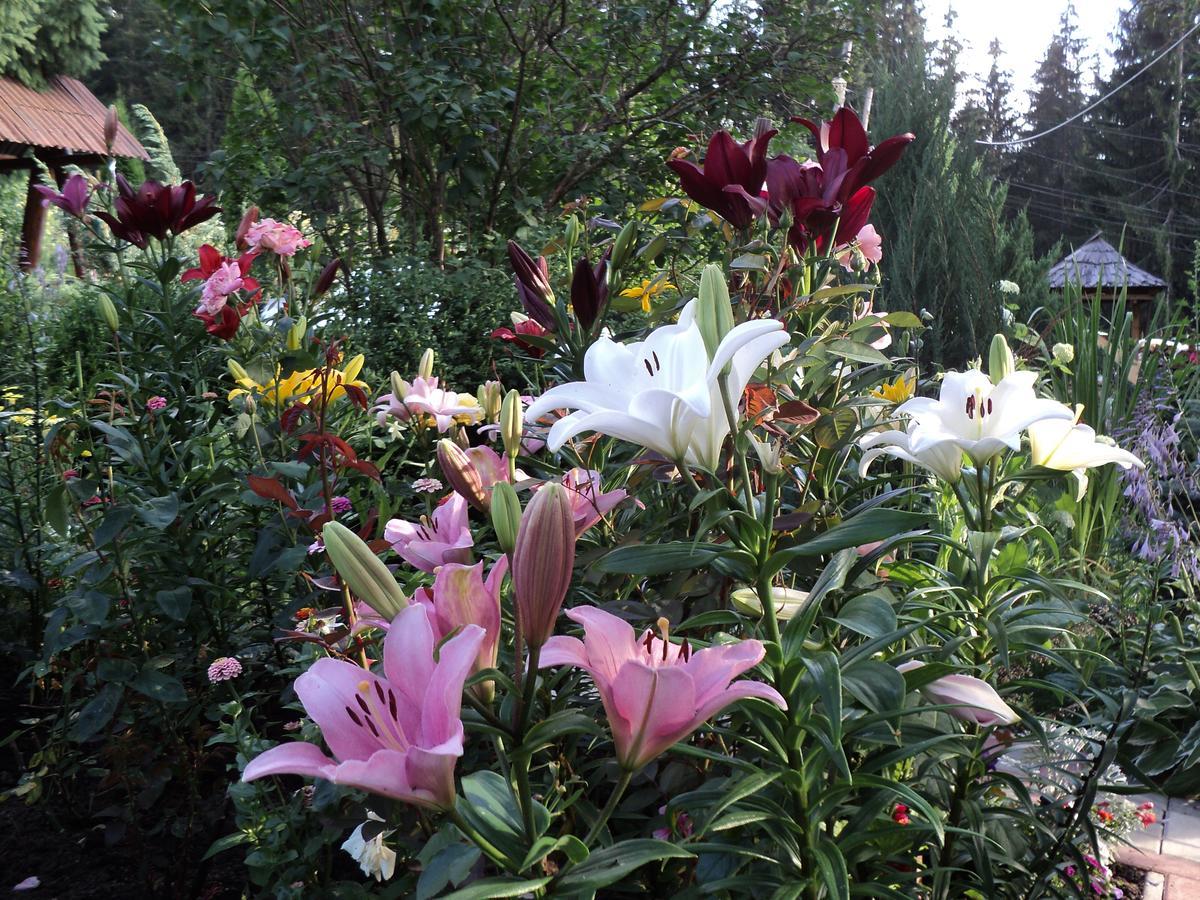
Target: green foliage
x,y
161,165
40,38
249,165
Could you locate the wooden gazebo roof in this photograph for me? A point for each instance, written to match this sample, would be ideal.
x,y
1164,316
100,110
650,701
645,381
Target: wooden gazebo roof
x,y
1098,264
62,124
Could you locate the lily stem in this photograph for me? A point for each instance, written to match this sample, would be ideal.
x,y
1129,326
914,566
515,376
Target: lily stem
x,y
609,808
521,764
481,842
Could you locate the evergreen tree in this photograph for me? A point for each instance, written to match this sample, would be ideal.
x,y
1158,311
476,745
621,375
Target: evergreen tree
x,y
249,165
1048,171
1147,140
947,241
987,114
40,38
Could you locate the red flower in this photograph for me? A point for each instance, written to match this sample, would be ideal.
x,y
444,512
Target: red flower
x,y
900,814
731,178
211,260
156,210
516,335
224,324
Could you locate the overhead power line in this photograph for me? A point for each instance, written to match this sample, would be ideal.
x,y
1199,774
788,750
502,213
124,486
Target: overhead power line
x,y
1087,109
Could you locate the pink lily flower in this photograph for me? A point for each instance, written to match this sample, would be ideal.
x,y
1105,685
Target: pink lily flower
x,y
968,699
400,735
434,541
588,502
460,596
425,397
655,693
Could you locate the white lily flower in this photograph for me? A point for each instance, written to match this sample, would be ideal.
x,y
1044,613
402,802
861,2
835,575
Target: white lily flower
x,y
374,858
943,459
1070,447
662,393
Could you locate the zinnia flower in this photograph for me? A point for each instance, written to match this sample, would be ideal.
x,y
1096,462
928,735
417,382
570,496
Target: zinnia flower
x,y
225,668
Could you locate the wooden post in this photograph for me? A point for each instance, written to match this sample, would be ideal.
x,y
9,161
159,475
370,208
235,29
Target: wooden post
x,y
32,226
73,239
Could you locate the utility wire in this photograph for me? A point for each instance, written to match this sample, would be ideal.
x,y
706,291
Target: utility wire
x,y
1088,109
1109,175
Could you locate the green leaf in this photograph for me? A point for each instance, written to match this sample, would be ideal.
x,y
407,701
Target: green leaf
x,y
868,526
159,512
658,559
856,351
159,686
833,869
754,261
548,730
867,614
97,713
492,809
876,685
451,865
57,502
91,607
833,428
113,524
503,886
604,867
220,845
175,602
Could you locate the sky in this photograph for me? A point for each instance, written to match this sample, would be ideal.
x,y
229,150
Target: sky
x,y
1024,28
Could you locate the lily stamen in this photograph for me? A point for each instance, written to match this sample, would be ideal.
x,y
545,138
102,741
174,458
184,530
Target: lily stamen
x,y
665,627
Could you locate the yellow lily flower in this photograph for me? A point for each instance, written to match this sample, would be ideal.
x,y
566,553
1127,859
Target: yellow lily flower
x,y
648,291
903,388
300,385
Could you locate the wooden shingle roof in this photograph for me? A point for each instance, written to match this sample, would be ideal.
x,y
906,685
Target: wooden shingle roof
x,y
1098,264
65,117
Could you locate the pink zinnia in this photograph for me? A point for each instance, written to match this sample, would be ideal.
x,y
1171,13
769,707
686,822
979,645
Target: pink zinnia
x,y
655,693
341,505
278,237
156,403
226,668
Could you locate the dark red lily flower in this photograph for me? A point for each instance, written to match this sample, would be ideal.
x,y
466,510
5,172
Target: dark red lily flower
x,y
72,199
516,334
731,178
156,210
533,285
846,155
589,290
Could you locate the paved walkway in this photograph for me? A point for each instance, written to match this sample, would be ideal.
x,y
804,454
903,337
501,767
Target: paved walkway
x,y
1169,849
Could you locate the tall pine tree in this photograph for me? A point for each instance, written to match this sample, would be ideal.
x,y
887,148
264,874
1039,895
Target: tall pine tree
x,y
1146,169
1047,172
40,38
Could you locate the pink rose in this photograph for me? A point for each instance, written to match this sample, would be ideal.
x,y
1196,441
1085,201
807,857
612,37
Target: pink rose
x,y
278,237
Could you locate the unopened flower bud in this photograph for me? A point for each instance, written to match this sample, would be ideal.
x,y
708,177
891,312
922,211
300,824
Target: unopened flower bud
x,y
462,475
714,312
249,403
296,333
511,423
490,397
110,128
543,561
325,280
506,515
573,231
107,311
425,366
787,601
400,387
1001,362
363,571
236,370
248,219
623,245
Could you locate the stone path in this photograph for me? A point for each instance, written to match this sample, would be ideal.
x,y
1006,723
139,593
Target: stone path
x,y
1169,849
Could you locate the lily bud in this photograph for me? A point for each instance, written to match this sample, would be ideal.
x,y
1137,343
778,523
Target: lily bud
x,y
248,219
425,366
490,396
400,387
543,561
1001,362
511,423
363,571
325,280
714,312
573,231
462,475
623,245
296,333
787,601
236,370
107,311
110,128
506,515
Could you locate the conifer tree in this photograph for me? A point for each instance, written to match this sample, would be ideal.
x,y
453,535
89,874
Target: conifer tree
x,y
40,38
